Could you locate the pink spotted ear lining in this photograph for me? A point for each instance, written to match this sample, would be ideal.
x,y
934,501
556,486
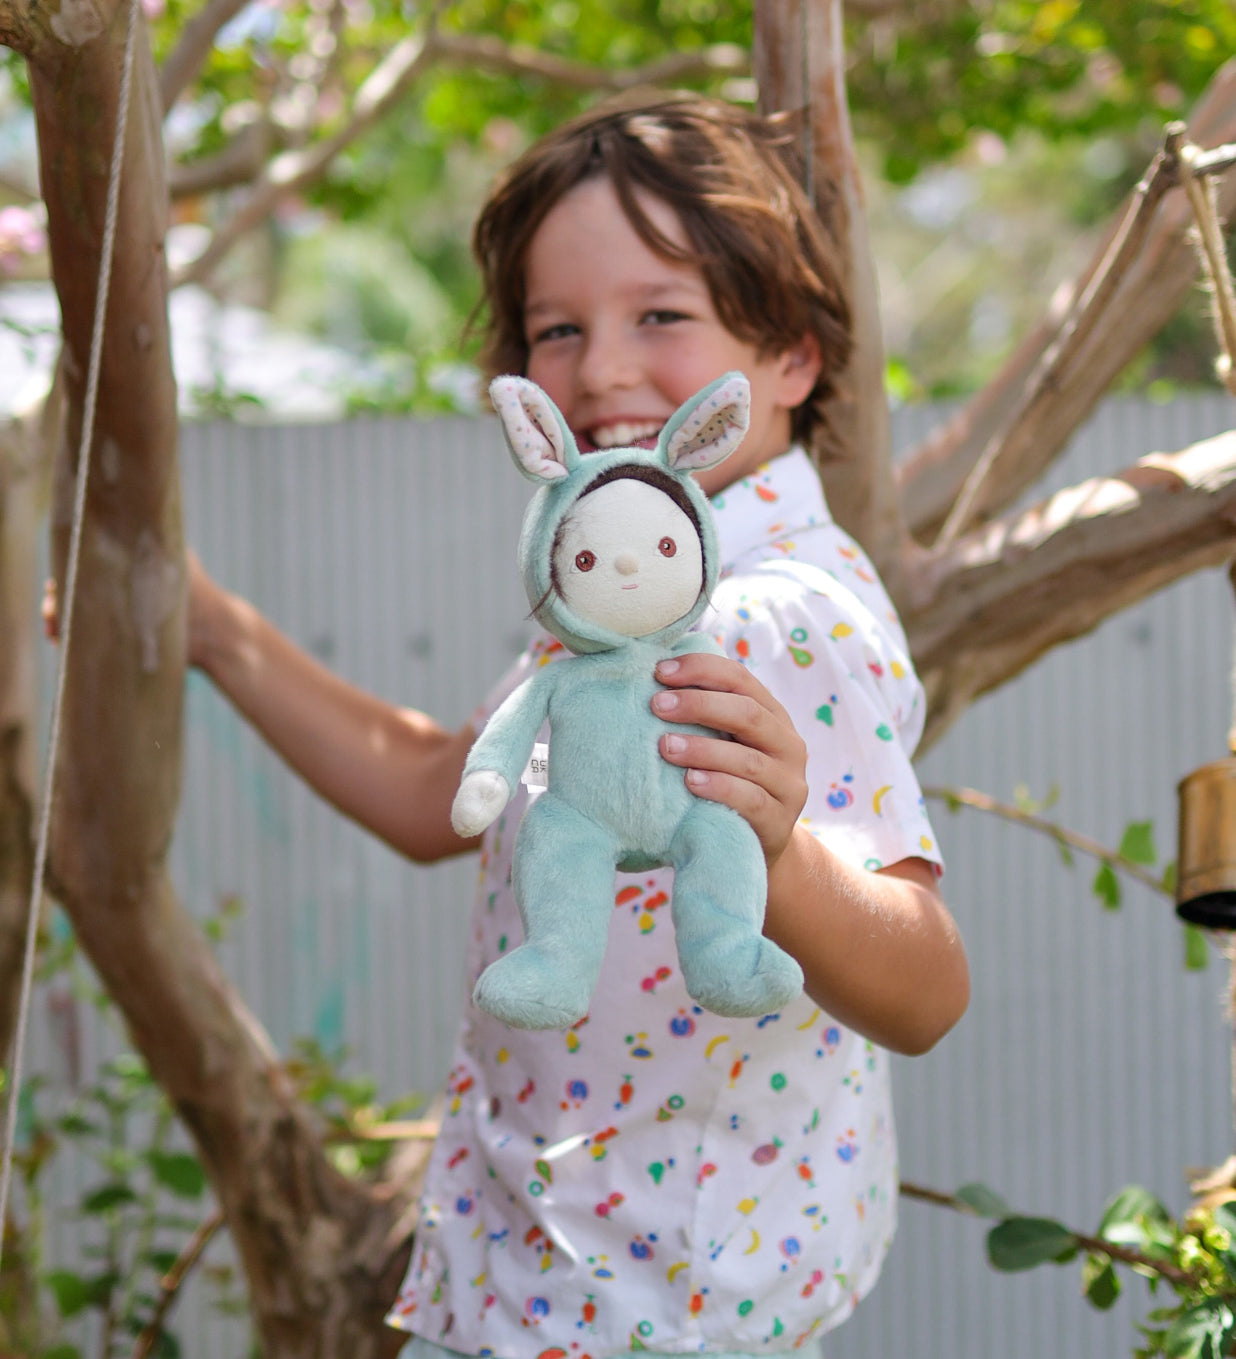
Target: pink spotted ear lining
x,y
714,429
532,427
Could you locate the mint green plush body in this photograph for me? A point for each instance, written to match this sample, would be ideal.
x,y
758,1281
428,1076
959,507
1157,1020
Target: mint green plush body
x,y
603,755
613,803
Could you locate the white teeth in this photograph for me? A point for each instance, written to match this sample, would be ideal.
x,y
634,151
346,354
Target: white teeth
x,y
623,434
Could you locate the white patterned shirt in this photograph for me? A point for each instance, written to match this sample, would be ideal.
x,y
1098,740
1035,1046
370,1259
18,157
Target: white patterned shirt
x,y
658,1177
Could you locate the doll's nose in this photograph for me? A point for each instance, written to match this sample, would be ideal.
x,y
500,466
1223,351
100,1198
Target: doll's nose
x,y
626,563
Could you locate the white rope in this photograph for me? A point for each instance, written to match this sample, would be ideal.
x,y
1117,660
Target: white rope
x,y
66,628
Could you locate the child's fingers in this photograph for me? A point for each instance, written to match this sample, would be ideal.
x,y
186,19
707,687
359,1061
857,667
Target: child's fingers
x,y
717,692
50,610
761,771
768,791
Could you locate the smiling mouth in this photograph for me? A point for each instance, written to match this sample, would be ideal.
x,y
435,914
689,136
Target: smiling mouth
x,y
625,434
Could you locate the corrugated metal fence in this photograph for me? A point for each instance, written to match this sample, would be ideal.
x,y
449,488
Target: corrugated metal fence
x,y
1089,1058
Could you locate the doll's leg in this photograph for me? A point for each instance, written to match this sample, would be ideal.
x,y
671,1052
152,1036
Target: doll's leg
x,y
720,888
563,876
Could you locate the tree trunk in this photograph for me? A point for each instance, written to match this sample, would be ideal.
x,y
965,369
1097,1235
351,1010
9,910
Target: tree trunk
x,y
18,520
322,1254
799,62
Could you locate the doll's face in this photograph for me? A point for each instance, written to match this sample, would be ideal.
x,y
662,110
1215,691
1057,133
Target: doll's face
x,y
628,559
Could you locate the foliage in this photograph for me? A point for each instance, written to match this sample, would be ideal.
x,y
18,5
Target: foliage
x,y
1062,68
1195,1257
145,1196
1034,119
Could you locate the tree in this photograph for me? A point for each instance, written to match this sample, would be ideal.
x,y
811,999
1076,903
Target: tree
x,y
992,591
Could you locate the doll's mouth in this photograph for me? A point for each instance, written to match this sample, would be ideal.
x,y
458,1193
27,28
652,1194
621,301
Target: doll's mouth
x,y
633,586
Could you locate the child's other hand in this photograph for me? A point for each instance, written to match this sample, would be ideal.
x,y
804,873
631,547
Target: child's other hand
x,y
202,593
762,772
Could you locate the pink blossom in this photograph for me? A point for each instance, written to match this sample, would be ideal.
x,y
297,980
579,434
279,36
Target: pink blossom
x,y
21,233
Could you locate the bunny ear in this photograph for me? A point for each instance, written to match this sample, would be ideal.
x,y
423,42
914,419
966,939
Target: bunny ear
x,y
538,437
709,427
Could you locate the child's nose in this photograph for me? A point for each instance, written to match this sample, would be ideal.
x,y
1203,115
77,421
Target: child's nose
x,y
606,364
626,563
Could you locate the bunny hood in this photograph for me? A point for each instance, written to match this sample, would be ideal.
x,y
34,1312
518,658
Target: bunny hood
x,y
701,433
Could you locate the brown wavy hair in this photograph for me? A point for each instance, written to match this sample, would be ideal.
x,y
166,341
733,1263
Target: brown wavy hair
x,y
730,175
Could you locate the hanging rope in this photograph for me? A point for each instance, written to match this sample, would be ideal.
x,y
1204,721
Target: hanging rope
x,y
66,629
1202,195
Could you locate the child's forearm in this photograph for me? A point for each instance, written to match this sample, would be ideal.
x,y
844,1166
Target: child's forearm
x,y
879,951
391,770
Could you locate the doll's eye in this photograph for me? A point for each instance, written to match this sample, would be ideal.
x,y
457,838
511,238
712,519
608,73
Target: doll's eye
x,y
585,560
667,547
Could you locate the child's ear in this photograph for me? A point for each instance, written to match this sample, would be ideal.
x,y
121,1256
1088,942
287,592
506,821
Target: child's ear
x,y
798,368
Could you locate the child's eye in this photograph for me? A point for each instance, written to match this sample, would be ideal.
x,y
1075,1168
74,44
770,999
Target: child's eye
x,y
558,332
667,547
585,560
664,317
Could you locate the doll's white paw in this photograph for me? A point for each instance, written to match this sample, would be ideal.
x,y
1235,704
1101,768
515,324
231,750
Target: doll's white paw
x,y
481,797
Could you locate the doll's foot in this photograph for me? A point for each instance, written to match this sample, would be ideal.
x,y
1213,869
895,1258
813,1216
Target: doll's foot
x,y
739,976
530,991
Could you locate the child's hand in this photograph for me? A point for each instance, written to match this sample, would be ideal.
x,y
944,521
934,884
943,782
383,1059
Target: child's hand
x,y
762,772
202,591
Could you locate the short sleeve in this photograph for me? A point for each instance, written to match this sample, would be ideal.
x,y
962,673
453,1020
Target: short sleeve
x,y
849,686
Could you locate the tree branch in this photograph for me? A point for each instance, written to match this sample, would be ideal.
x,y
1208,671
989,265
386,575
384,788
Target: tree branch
x,y
930,476
1062,835
990,604
171,1283
197,38
487,53
1093,1245
390,81
1014,441
239,162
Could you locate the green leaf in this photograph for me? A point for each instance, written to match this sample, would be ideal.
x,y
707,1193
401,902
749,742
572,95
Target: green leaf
x,y
1169,879
107,1197
61,1351
1106,887
1134,1217
983,1201
179,1171
1066,854
1132,1204
1100,1282
1024,1242
76,1125
1196,949
1203,1331
1137,843
70,1290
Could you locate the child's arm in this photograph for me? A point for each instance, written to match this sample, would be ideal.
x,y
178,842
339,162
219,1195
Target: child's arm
x,y
880,951
392,770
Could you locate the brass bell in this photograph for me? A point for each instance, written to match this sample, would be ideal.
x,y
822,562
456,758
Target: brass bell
x,y
1206,853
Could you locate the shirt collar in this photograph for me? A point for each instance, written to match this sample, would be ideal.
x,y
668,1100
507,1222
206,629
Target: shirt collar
x,y
779,498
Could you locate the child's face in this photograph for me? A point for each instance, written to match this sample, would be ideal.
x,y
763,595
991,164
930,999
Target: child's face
x,y
620,337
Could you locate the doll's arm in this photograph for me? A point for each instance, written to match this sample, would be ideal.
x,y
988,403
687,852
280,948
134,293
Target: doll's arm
x,y
499,755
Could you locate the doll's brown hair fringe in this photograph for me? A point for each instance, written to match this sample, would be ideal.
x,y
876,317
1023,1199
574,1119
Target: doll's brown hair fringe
x,y
730,176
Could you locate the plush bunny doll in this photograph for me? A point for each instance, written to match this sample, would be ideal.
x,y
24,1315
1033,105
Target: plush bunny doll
x,y
618,555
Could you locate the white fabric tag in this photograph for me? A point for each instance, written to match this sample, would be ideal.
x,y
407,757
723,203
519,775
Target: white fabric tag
x,y
536,773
